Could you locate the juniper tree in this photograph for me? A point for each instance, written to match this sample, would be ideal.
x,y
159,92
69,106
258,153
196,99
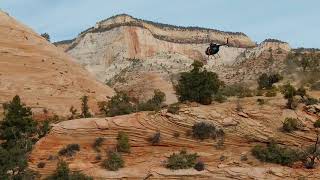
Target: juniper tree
x,y
85,108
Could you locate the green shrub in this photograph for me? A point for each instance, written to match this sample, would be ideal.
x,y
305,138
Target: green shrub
x,y
310,101
41,164
69,150
301,92
118,105
316,86
266,81
155,139
97,143
153,104
220,143
261,101
114,161
173,108
199,166
203,130
238,89
74,114
123,142
43,128
290,124
274,153
183,160
198,85
317,124
219,97
259,93
98,157
63,173
176,134
271,93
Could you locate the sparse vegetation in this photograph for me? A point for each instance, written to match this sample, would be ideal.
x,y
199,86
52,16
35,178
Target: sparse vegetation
x,y
239,107
74,114
155,139
63,173
41,164
114,161
315,86
153,104
219,97
46,36
306,65
259,92
97,144
310,101
121,104
244,157
266,81
289,92
43,128
98,157
301,92
176,134
85,113
199,166
182,160
271,93
203,130
290,124
123,142
173,108
311,154
198,85
118,105
261,101
275,153
69,150
317,124
220,143
238,89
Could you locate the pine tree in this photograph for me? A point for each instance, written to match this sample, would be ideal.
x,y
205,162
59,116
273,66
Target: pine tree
x,y
18,122
18,132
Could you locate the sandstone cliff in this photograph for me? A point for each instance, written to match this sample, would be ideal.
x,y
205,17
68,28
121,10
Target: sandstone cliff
x,y
126,53
42,75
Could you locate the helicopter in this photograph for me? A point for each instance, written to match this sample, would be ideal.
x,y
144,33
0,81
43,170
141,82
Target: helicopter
x,y
213,49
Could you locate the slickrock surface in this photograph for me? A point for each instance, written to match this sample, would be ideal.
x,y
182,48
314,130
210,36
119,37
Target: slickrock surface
x,y
243,129
42,75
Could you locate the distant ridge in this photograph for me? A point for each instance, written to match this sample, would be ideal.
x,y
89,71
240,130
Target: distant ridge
x,y
206,34
170,26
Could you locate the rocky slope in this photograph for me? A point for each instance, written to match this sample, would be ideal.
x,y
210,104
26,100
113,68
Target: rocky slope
x,y
243,129
125,52
42,75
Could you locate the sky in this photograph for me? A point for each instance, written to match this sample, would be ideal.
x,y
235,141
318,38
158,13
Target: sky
x,y
294,21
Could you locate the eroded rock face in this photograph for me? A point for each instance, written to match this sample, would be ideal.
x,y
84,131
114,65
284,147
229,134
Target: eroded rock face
x,y
145,160
40,74
125,52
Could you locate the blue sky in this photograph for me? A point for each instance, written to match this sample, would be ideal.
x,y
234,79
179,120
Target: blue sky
x,y
293,21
